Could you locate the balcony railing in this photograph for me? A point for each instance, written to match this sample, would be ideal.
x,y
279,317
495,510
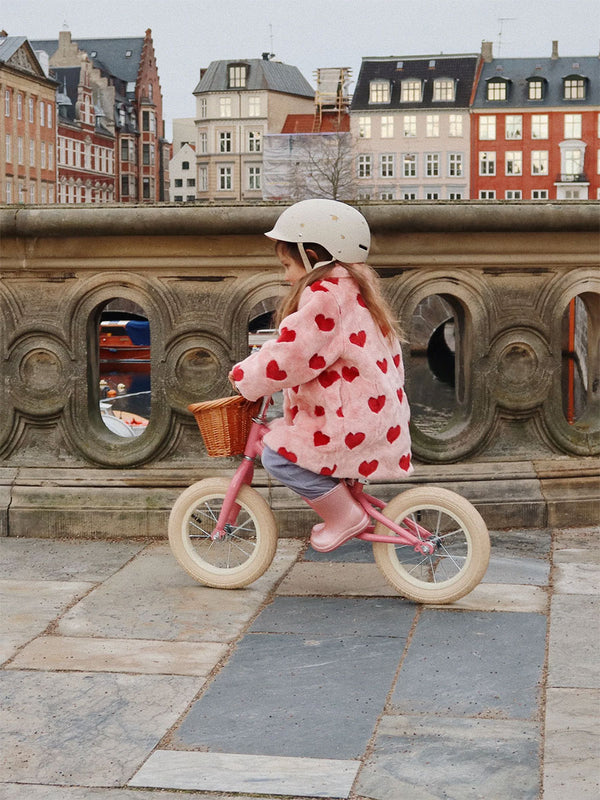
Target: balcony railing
x,y
568,177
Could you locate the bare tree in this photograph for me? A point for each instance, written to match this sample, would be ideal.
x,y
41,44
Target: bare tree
x,y
322,165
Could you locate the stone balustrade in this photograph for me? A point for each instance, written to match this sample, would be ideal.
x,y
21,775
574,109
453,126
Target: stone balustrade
x,y
517,281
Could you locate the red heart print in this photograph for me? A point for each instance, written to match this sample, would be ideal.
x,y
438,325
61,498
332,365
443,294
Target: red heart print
x,y
328,470
400,394
293,411
383,365
321,438
316,362
352,440
332,280
349,373
287,335
324,323
319,411
317,286
404,462
393,434
274,373
397,360
368,467
339,412
288,454
361,300
295,389
328,378
358,339
237,373
377,403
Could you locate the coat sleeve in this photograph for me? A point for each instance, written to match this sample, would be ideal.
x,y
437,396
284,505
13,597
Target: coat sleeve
x,y
310,340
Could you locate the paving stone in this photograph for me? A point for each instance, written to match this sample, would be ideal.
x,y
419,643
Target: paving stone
x,y
313,578
571,744
355,551
473,664
577,538
154,598
120,655
64,559
83,729
574,652
530,543
333,616
315,697
577,578
424,758
16,791
502,597
257,774
28,607
521,570
577,555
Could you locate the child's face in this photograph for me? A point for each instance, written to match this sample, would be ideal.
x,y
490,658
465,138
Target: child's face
x,y
293,271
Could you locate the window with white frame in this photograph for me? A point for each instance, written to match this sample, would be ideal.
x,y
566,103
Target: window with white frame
x,y
432,194
50,160
513,162
574,88
387,196
487,127
19,150
443,90
364,127
43,155
455,195
455,125
539,162
409,194
386,165
203,142
365,194
254,142
364,165
410,91
237,76
598,162
32,153
31,109
455,165
409,125
224,141
513,128
572,161
487,194
572,126
203,178
32,192
487,163
8,148
539,194
409,165
254,178
19,105
387,127
432,165
535,89
202,108
539,126
254,106
513,194
7,98
497,90
432,125
225,107
379,91
225,178
49,114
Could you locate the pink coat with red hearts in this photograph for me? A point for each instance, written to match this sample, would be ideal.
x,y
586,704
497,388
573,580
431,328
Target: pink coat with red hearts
x,y
345,411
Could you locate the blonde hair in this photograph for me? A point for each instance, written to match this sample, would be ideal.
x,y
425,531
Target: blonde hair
x,y
367,279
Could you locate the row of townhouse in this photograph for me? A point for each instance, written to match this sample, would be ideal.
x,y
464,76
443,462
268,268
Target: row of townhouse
x,y
443,127
82,121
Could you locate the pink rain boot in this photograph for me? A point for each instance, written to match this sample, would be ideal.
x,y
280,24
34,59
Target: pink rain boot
x,y
342,515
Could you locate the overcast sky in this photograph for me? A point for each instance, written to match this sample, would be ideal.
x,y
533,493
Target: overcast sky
x,y
189,34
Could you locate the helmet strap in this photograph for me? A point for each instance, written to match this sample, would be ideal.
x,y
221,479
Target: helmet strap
x,y
306,261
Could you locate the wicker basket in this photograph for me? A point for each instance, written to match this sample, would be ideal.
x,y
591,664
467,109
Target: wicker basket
x,y
225,423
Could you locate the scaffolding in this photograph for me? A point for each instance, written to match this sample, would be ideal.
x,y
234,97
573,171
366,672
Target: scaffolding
x,y
332,93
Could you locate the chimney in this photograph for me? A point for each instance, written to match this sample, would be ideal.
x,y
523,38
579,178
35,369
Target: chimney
x,y
487,52
554,49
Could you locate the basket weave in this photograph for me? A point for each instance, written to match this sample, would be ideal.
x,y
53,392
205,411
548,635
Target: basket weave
x,y
225,423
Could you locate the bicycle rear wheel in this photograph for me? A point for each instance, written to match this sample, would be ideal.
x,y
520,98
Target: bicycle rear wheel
x,y
242,555
461,546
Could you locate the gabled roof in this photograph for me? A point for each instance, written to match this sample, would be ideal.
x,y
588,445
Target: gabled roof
x,y
395,69
262,75
25,61
304,123
519,71
109,55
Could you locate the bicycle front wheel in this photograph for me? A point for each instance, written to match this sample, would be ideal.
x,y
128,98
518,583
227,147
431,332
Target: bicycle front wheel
x,y
238,558
461,546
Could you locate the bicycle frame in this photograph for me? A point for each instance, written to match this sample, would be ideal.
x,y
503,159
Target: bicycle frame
x,y
409,533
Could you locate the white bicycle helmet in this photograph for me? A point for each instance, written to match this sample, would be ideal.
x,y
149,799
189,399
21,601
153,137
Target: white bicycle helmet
x,y
338,227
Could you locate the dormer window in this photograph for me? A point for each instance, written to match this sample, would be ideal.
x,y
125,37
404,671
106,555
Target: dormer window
x,y
497,89
443,90
535,88
379,91
574,87
237,76
411,91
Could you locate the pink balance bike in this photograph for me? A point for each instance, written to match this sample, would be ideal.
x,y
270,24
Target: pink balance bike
x,y
431,544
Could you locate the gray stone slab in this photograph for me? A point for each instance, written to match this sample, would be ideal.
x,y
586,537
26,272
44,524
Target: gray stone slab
x,y
452,759
355,551
473,664
520,570
232,772
64,559
577,578
331,578
574,652
337,616
152,597
316,697
28,607
530,543
79,729
571,744
16,791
